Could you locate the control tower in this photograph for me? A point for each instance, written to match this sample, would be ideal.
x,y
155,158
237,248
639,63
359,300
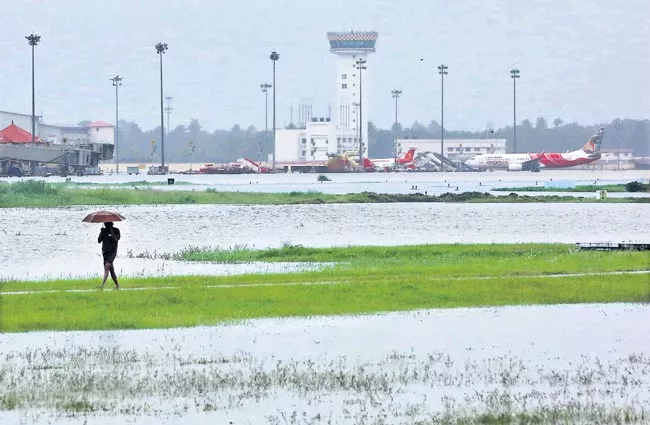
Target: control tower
x,y
349,47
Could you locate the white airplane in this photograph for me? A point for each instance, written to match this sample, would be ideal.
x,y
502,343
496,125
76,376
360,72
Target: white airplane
x,y
534,161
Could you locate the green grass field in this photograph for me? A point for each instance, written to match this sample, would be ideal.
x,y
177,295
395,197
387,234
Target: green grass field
x,y
366,280
33,193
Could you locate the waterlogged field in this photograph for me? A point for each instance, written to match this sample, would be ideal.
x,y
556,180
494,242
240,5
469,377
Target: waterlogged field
x,y
36,193
355,280
342,355
579,364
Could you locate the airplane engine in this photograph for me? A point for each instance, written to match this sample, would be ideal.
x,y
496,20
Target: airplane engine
x,y
514,167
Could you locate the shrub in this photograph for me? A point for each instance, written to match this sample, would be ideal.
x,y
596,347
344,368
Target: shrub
x,y
637,187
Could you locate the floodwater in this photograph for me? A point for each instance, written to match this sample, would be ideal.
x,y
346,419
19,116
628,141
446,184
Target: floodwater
x,y
385,368
53,243
402,182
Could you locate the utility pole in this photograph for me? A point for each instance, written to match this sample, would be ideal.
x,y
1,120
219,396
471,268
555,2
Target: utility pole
x,y
265,89
361,65
274,58
442,70
514,73
160,49
117,82
33,40
168,109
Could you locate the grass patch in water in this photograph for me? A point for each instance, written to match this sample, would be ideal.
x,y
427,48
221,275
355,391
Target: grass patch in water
x,y
372,279
578,188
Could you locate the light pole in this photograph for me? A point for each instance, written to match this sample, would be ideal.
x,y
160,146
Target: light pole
x,y
361,65
357,128
442,70
396,94
192,149
514,73
274,58
33,40
168,109
153,150
160,50
117,82
265,89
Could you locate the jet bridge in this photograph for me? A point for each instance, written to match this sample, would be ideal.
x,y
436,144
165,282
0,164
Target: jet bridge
x,y
434,161
18,159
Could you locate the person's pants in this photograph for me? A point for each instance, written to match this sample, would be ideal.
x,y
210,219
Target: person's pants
x,y
109,257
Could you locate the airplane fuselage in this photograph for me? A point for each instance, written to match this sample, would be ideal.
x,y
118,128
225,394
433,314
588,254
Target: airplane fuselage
x,y
534,161
537,160
391,163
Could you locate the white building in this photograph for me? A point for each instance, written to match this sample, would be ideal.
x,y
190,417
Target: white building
x,y
321,136
23,121
454,149
101,132
313,143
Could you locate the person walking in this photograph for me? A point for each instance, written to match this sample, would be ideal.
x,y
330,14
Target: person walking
x,y
109,237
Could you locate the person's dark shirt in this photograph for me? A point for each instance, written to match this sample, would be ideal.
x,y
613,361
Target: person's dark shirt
x,y
109,243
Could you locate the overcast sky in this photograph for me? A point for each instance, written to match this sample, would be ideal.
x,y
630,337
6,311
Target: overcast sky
x,y
582,60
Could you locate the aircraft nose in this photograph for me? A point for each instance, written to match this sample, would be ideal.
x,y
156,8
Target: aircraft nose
x,y
471,162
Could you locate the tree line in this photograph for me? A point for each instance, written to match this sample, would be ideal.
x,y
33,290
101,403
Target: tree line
x,y
191,142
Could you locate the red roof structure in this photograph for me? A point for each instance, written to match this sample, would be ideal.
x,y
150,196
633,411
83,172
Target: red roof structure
x,y
99,124
14,134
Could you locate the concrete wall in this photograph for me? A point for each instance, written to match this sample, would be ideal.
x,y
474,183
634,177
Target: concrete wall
x,y
51,134
321,140
55,134
287,144
101,134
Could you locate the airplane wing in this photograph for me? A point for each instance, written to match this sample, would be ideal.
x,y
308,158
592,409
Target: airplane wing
x,y
531,164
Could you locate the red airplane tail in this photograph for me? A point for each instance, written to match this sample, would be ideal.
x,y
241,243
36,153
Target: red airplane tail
x,y
408,157
368,164
594,142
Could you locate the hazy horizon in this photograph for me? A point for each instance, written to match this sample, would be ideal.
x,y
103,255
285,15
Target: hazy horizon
x,y
581,61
